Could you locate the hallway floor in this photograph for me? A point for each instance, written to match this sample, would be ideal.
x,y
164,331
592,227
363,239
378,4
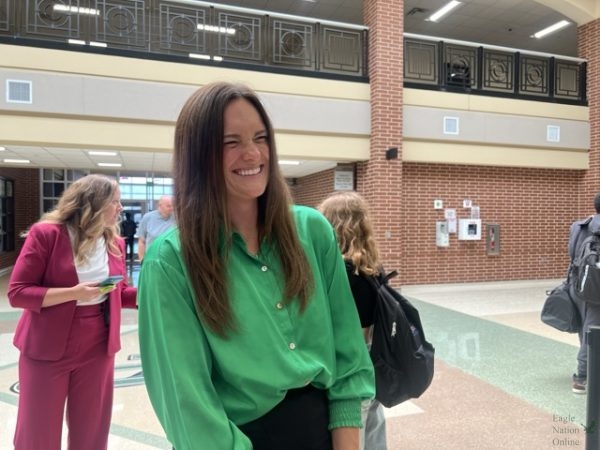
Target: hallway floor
x,y
502,377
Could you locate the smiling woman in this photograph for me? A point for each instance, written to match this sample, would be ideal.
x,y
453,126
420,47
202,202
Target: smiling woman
x,y
243,282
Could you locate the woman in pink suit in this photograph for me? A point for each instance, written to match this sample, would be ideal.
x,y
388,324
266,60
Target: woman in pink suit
x,y
70,328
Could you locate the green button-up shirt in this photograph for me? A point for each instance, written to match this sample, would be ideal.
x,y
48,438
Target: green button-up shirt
x,y
201,385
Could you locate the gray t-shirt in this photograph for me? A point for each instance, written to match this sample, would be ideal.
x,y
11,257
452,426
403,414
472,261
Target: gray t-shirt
x,y
153,225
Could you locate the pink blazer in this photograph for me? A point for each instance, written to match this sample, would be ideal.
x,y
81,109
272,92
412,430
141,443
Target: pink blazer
x,y
45,261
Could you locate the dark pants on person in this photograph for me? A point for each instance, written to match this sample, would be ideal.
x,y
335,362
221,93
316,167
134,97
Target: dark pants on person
x,y
129,240
299,422
590,315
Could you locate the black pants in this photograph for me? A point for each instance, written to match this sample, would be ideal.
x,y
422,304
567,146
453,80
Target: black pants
x,y
299,422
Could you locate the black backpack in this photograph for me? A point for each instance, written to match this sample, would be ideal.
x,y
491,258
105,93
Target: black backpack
x,y
584,271
402,358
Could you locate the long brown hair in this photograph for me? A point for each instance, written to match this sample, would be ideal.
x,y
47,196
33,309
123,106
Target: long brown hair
x,y
81,208
200,203
348,212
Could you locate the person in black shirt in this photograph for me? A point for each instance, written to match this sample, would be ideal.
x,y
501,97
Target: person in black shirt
x,y
128,229
348,213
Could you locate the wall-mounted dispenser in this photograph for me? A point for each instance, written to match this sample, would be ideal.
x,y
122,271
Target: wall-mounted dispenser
x,y
442,237
469,229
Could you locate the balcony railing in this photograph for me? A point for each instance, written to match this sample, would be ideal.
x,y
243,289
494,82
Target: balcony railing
x,y
204,33
190,29
490,70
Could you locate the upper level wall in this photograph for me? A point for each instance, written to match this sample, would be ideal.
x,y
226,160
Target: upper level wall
x,y
494,131
91,101
100,101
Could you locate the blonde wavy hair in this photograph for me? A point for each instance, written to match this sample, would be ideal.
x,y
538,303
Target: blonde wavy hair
x,y
81,208
348,213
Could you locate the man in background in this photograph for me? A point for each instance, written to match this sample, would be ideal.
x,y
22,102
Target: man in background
x,y
128,228
155,223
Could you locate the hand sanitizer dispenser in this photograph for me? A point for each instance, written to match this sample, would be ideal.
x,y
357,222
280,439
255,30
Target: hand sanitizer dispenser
x,y
442,237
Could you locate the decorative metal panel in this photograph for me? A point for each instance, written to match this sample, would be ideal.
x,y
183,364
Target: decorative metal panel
x,y
460,65
498,71
534,75
567,76
178,29
293,44
43,19
121,23
420,61
4,15
246,43
341,50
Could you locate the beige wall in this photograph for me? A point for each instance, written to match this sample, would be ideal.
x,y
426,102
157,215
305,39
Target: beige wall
x,y
99,101
493,131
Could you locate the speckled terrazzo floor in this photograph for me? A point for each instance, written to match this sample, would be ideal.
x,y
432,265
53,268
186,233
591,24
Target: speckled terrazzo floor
x,y
502,377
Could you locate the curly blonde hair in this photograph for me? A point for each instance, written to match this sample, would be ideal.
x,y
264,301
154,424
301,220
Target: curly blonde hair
x,y
348,213
81,208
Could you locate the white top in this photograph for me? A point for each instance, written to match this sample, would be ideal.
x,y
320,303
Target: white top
x,y
96,269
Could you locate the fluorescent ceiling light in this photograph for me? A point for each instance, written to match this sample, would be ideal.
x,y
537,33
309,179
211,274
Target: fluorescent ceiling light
x,y
109,164
199,56
551,29
98,44
287,162
217,58
215,29
76,41
101,153
2,148
16,161
443,11
76,10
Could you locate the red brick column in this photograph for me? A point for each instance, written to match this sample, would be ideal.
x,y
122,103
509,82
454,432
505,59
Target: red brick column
x,y
380,180
589,48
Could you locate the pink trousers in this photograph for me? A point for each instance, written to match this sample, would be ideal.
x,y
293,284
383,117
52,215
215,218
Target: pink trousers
x,y
83,379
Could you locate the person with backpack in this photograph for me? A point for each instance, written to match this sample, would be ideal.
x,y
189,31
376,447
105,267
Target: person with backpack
x,y
583,236
348,213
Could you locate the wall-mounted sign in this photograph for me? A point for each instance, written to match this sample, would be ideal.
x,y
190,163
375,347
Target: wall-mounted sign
x,y
343,180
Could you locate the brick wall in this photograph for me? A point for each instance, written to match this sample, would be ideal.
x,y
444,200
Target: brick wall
x,y
27,200
311,190
379,176
534,208
588,41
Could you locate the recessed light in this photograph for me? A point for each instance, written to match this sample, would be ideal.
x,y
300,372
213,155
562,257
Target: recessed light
x,y
2,148
288,162
109,164
101,153
16,161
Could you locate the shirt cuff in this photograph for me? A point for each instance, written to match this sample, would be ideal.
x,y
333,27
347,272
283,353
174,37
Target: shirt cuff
x,y
345,413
